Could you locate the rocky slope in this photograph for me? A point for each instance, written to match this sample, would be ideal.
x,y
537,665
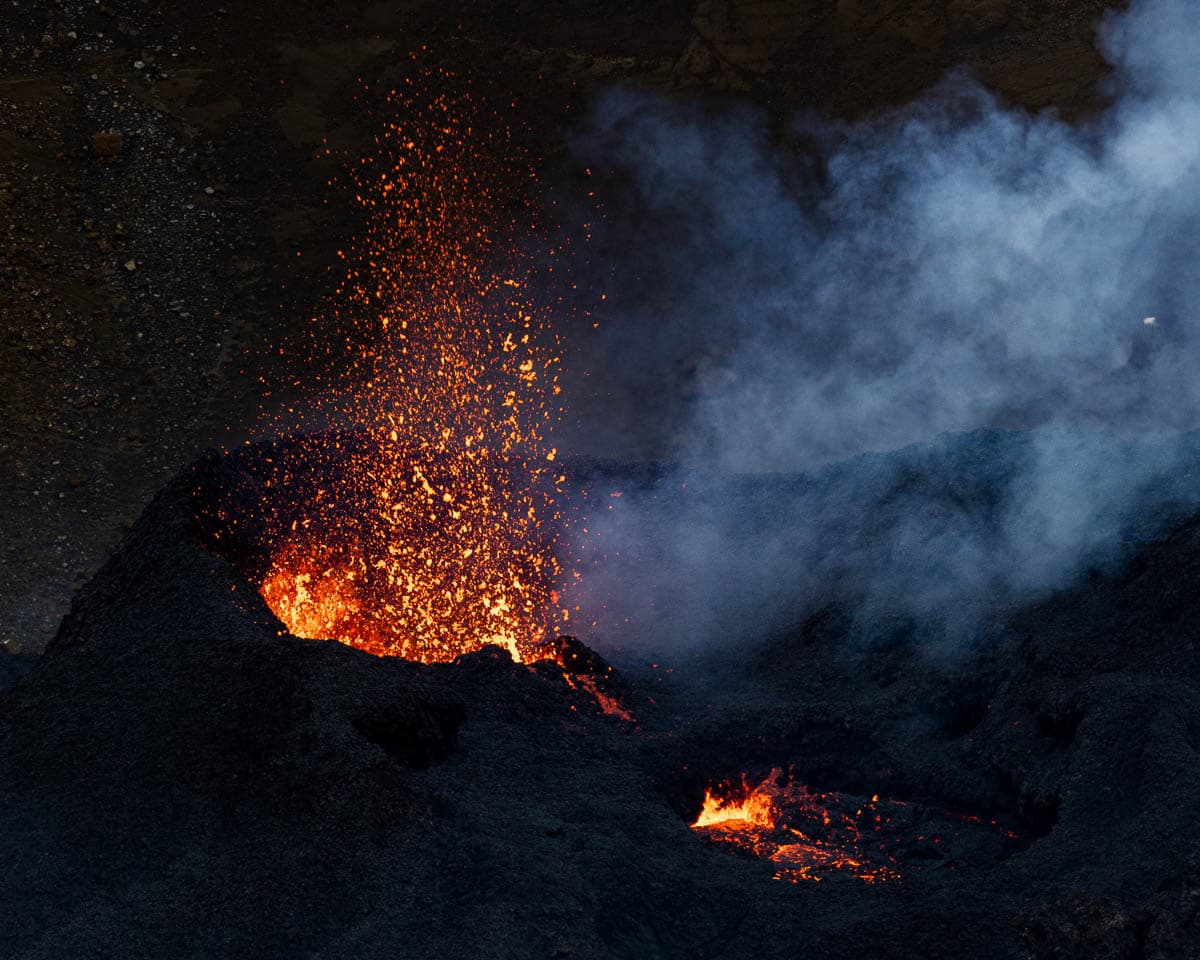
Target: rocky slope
x,y
179,778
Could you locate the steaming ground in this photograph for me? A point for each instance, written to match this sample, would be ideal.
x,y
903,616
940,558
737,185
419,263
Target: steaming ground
x,y
825,292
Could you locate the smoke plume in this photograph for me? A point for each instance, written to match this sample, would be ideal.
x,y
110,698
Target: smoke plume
x,y
1014,294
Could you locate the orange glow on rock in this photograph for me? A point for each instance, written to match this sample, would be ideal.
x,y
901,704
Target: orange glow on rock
x,y
583,670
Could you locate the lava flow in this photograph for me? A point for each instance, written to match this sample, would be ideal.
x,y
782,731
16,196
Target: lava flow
x,y
801,832
438,532
810,836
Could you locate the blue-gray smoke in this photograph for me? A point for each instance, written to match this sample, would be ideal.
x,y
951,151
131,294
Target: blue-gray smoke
x,y
957,266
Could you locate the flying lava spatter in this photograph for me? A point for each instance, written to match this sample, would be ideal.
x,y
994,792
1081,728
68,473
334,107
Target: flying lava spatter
x,y
452,394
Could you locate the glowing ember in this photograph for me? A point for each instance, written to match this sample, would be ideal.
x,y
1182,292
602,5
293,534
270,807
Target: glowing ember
x,y
811,836
438,534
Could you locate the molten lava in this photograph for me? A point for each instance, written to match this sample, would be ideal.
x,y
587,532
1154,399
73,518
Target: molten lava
x,y
438,533
803,833
584,670
755,809
812,836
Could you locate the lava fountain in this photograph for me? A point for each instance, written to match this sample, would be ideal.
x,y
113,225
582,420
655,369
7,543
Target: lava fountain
x,y
437,532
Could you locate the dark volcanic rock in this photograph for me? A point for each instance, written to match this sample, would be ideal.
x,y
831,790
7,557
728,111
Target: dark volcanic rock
x,y
178,777
1081,927
13,666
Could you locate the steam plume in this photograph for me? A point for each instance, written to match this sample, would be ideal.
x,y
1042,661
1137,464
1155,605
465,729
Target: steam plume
x,y
958,266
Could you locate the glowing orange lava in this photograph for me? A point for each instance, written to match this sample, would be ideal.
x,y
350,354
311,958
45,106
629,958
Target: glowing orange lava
x,y
583,670
438,534
803,833
811,836
755,809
